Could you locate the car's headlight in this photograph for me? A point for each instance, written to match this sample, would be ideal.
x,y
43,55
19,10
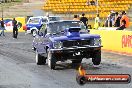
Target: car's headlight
x,y
58,44
97,42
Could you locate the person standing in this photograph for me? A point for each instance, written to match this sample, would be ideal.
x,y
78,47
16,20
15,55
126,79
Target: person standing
x,y
15,29
76,18
117,20
108,22
97,22
122,26
87,3
2,27
125,18
84,20
92,2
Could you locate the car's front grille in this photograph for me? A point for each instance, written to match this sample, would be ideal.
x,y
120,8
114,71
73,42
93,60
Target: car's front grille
x,y
76,43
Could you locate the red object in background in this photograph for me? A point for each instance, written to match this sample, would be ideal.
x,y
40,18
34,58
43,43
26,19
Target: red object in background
x,y
126,41
8,24
25,27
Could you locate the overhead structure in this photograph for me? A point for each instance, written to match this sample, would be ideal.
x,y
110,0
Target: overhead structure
x,y
103,7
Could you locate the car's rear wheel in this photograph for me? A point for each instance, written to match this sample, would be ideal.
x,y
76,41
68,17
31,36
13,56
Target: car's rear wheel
x,y
96,58
51,60
40,60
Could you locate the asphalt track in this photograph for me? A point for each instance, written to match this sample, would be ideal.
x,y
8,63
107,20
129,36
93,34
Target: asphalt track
x,y
19,70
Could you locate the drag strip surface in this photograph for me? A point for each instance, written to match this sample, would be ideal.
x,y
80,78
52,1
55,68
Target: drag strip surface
x,y
19,70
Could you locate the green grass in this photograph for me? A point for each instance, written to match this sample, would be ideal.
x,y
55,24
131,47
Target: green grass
x,y
18,0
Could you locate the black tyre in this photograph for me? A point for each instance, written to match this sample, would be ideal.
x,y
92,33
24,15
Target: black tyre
x,y
96,58
40,60
33,48
51,60
76,61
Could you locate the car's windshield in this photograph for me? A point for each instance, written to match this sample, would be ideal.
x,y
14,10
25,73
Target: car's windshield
x,y
34,20
61,26
54,18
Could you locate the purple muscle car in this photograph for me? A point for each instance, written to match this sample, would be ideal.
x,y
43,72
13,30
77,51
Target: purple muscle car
x,y
66,40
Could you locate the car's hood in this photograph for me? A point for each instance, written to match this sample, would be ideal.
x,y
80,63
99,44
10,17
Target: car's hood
x,y
82,36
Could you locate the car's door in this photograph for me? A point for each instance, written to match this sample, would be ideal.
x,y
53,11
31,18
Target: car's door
x,y
40,39
44,37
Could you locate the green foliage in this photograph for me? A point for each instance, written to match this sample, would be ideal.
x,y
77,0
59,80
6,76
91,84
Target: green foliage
x,y
18,0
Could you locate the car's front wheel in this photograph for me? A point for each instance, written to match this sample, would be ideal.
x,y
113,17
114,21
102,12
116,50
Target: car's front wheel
x,y
40,60
33,48
51,60
96,58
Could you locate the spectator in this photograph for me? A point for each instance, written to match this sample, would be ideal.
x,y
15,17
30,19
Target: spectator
x,y
125,17
15,29
117,20
2,27
92,2
97,22
87,3
75,18
84,20
78,17
108,22
112,13
122,27
112,17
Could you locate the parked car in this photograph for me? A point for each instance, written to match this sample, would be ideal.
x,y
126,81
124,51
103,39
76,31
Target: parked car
x,y
66,40
34,24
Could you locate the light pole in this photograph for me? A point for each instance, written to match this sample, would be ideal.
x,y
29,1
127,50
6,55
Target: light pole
x,y
69,10
97,6
1,9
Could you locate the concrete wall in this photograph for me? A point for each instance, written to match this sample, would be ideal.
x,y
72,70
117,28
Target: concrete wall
x,y
115,40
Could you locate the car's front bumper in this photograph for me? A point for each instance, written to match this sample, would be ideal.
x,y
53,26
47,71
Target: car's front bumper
x,y
76,48
75,52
